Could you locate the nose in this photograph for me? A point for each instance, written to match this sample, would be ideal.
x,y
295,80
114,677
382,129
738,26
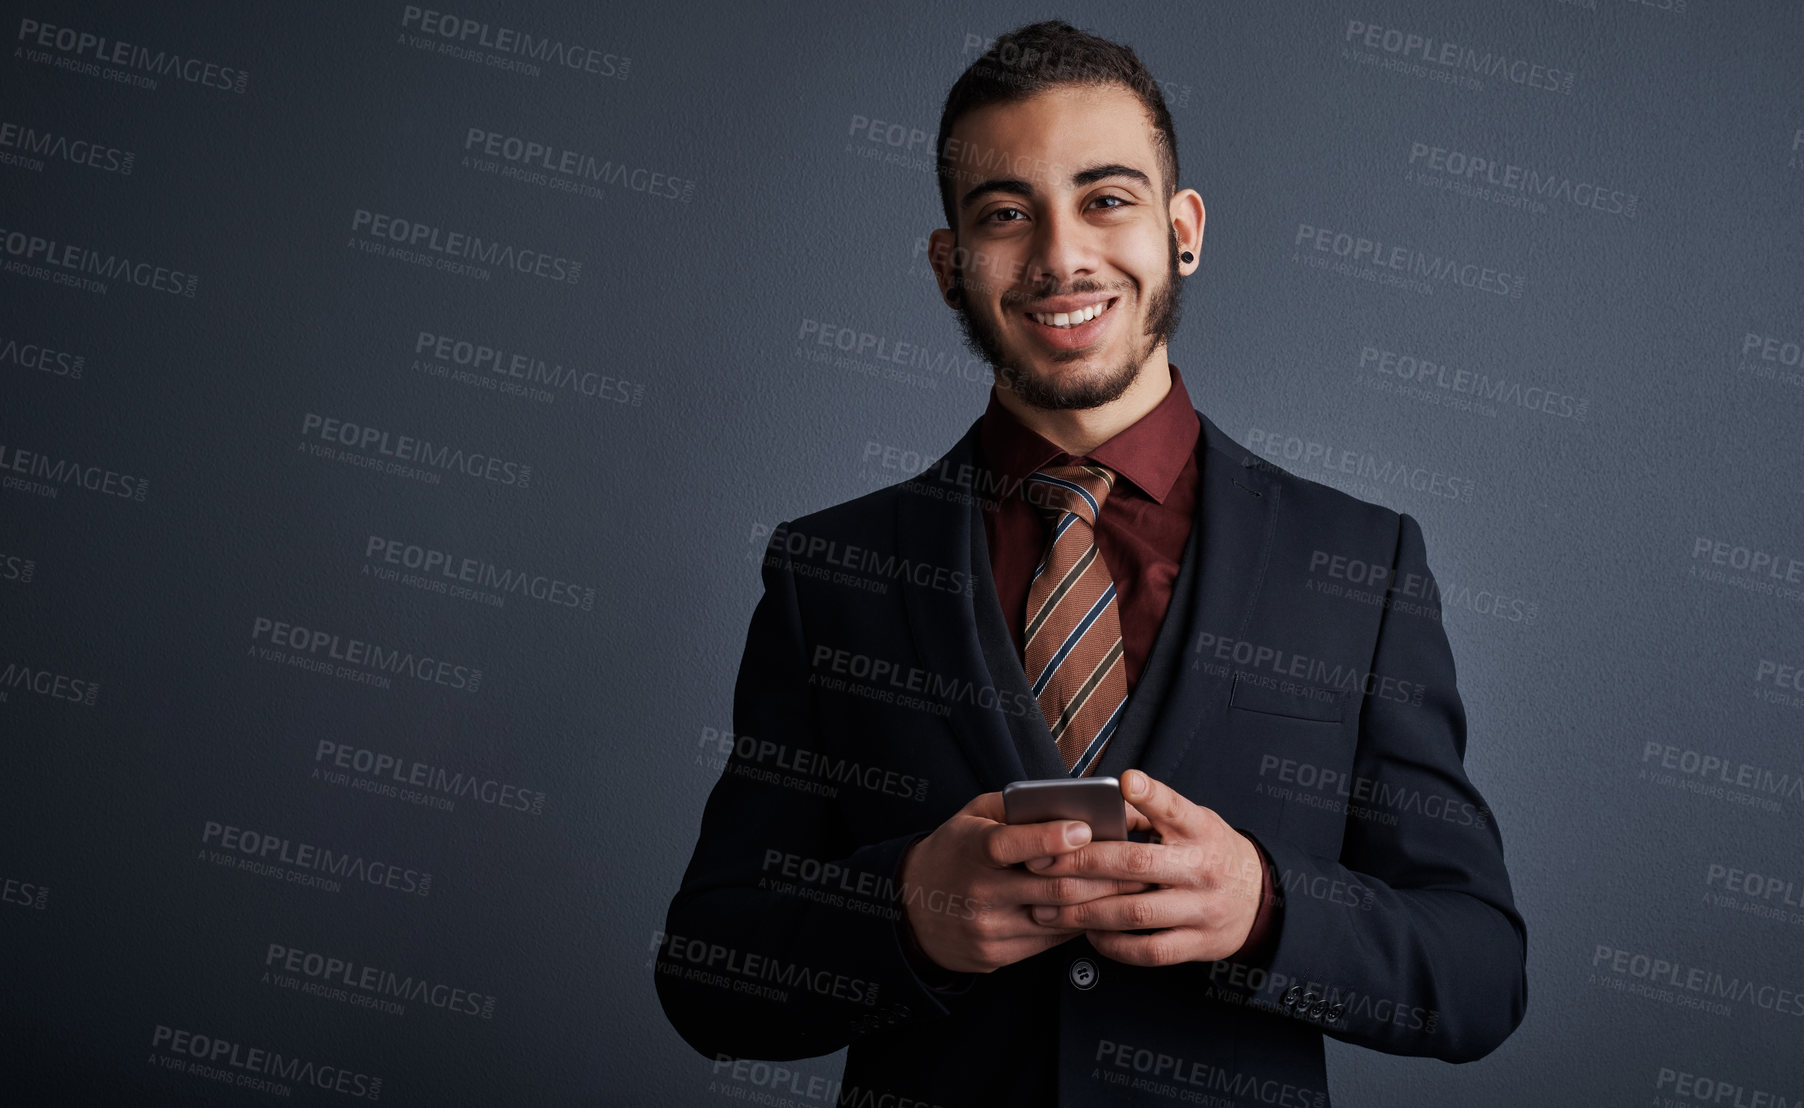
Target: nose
x,y
1063,250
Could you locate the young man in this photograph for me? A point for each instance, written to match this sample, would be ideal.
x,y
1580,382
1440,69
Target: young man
x,y
1093,580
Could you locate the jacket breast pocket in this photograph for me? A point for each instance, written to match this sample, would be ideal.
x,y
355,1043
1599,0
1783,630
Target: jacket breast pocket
x,y
1300,737
1281,698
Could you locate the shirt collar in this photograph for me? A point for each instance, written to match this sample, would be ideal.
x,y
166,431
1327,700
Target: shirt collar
x,y
1150,452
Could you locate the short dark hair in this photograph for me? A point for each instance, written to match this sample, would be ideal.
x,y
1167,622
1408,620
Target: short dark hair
x,y
1040,56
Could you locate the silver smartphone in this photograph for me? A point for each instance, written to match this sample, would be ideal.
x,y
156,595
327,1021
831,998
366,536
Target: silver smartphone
x,y
1094,800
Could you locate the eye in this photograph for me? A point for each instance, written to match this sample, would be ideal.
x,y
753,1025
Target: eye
x,y
989,217
1120,202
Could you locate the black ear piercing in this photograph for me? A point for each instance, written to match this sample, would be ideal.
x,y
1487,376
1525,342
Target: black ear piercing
x,y
1186,257
953,296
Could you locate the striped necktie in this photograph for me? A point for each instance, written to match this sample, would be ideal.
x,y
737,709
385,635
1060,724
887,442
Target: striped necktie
x,y
1072,641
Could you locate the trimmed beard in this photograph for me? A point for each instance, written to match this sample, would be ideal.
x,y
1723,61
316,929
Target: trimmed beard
x,y
1052,394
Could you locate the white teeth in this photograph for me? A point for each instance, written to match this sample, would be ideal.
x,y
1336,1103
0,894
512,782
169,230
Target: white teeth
x,y
1070,319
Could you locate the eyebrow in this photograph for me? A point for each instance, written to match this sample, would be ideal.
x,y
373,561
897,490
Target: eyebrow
x,y
1015,186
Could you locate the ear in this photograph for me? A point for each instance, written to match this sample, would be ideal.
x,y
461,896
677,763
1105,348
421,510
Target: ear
x,y
940,254
1187,216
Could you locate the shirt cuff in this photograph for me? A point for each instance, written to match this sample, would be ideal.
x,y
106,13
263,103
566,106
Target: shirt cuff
x,y
1264,933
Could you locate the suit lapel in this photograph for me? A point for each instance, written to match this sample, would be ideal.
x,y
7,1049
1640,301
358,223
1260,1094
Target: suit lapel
x,y
1237,509
933,516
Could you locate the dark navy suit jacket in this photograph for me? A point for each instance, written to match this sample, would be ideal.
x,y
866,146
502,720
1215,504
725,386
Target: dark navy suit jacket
x,y
1300,685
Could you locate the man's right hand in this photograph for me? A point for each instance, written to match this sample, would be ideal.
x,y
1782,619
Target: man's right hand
x,y
974,859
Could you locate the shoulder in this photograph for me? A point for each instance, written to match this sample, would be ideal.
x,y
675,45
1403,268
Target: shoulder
x,y
866,518
1307,502
932,499
1315,521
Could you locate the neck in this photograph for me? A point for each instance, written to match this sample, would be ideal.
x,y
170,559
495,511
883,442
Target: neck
x,y
1078,431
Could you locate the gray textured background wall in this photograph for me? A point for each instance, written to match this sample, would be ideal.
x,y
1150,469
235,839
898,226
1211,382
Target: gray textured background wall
x,y
197,273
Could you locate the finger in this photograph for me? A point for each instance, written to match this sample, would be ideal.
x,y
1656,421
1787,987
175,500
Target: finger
x,y
985,805
1161,948
1021,928
1015,923
1169,810
1129,912
1153,863
1137,820
1072,890
1011,844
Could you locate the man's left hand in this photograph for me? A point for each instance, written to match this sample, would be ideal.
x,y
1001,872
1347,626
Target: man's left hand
x,y
1206,880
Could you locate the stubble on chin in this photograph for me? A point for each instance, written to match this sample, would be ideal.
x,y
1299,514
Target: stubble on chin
x,y
1067,389
1083,389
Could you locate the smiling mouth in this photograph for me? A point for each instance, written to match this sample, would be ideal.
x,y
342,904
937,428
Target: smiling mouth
x,y
1065,321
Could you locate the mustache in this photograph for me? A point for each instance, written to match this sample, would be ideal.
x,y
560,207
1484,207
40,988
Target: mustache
x,y
1014,297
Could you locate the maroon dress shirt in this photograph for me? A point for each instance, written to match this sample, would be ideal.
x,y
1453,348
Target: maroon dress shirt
x,y
1141,533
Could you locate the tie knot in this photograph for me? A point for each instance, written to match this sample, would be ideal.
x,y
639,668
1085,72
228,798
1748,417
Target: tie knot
x,y
1077,489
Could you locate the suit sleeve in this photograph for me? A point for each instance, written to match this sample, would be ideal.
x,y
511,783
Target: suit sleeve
x,y
1410,941
783,939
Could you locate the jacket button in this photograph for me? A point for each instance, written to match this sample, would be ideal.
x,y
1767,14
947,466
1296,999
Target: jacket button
x,y
1316,1010
1083,973
1335,1012
1291,996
